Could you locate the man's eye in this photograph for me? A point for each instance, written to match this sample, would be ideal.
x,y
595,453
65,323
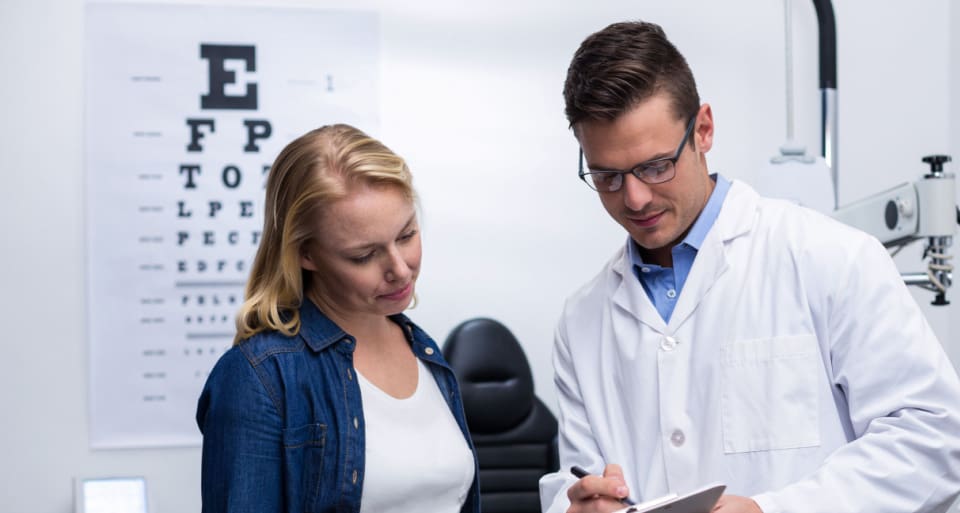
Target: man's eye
x,y
655,168
603,177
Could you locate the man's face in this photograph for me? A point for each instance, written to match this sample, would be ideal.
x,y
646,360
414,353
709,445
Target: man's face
x,y
656,216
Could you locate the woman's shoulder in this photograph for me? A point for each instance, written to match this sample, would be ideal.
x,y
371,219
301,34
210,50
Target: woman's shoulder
x,y
239,369
265,344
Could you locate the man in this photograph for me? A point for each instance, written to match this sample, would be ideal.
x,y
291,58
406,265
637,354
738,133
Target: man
x,y
733,339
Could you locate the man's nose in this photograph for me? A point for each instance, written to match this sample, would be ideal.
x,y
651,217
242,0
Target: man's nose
x,y
636,194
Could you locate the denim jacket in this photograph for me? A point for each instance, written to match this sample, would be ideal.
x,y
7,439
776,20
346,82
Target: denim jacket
x,y
282,421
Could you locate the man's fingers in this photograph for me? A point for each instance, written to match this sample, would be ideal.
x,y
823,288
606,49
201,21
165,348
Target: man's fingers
x,y
613,470
611,485
614,473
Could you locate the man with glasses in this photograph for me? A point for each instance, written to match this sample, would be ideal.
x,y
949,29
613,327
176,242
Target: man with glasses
x,y
733,338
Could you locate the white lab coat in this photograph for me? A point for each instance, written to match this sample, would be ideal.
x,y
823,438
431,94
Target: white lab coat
x,y
796,368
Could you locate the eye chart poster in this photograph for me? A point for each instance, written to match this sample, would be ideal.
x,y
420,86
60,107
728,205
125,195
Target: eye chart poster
x,y
186,108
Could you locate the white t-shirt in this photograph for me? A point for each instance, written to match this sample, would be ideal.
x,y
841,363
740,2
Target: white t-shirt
x,y
417,460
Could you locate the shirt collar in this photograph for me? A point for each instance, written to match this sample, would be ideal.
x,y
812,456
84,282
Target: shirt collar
x,y
708,216
701,227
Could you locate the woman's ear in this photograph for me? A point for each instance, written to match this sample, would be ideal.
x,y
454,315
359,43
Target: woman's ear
x,y
307,259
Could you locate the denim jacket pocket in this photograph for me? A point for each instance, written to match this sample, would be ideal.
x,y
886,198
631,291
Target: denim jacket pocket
x,y
303,451
769,395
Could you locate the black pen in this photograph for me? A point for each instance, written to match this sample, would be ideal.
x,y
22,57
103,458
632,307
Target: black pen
x,y
580,473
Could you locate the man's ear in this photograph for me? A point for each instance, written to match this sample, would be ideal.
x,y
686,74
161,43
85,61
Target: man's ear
x,y
703,133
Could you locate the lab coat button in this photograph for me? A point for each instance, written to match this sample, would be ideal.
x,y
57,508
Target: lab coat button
x,y
668,343
677,438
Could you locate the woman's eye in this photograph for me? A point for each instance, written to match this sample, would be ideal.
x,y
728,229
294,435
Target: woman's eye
x,y
362,259
409,235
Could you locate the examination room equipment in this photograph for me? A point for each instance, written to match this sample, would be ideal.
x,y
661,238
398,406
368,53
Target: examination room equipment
x,y
922,210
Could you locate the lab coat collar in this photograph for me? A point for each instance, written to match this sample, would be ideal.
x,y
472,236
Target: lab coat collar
x,y
737,217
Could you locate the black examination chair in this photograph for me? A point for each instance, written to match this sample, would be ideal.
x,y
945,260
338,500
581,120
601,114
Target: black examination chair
x,y
514,432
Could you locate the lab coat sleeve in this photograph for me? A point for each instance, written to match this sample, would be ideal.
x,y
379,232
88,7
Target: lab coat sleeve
x,y
902,396
576,440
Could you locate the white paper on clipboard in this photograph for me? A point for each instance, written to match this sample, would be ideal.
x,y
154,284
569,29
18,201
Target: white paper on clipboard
x,y
697,501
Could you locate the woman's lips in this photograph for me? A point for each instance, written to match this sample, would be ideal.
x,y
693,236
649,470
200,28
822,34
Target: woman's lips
x,y
399,294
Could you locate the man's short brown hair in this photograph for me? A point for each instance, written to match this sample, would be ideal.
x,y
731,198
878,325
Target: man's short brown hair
x,y
622,65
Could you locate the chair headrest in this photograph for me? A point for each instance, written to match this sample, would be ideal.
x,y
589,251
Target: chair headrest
x,y
495,378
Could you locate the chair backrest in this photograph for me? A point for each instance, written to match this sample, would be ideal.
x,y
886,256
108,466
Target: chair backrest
x,y
514,432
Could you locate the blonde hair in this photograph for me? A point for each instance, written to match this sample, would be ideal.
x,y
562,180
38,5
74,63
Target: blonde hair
x,y
310,173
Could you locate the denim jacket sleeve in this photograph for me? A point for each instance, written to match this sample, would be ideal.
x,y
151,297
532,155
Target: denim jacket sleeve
x,y
242,441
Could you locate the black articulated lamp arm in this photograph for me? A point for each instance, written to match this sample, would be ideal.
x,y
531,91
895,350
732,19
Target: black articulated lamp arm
x,y
828,44
828,93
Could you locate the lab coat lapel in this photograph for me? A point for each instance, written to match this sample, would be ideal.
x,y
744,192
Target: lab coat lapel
x,y
736,217
708,266
630,297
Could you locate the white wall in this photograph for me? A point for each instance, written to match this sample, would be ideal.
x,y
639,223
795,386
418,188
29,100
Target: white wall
x,y
471,97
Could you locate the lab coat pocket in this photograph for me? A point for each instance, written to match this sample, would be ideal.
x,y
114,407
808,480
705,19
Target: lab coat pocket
x,y
769,395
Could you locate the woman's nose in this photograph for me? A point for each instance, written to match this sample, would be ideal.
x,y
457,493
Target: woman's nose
x,y
397,268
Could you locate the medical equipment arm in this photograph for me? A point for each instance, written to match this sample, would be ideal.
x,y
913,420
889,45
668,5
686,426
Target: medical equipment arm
x,y
925,209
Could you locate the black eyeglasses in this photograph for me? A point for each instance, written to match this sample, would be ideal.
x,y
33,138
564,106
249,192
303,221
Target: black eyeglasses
x,y
652,171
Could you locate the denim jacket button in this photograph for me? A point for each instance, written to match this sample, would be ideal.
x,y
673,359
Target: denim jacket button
x,y
356,423
349,375
428,350
354,477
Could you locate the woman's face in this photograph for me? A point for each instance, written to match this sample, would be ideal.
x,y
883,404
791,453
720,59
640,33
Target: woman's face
x,y
365,254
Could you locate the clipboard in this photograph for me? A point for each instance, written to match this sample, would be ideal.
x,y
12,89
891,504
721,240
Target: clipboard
x,y
697,501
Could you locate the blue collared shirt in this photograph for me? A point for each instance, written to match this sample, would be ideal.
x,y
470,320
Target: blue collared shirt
x,y
663,284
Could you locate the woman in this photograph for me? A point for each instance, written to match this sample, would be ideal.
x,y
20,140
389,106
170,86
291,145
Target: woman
x,y
331,399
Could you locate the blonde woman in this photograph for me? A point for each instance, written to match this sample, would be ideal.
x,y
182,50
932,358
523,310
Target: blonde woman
x,y
331,399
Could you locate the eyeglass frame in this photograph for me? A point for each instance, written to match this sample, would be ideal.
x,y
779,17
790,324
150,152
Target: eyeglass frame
x,y
635,170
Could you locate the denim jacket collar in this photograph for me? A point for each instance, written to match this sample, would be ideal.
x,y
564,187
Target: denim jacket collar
x,y
319,332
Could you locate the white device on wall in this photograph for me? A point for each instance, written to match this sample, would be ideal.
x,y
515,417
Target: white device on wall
x,y
110,495
923,210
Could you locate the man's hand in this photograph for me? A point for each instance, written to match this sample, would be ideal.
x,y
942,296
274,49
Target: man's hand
x,y
595,494
736,504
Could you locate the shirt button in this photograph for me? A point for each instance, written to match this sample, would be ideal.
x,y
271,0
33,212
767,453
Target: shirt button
x,y
429,351
644,269
677,438
349,375
354,477
671,293
356,423
668,343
